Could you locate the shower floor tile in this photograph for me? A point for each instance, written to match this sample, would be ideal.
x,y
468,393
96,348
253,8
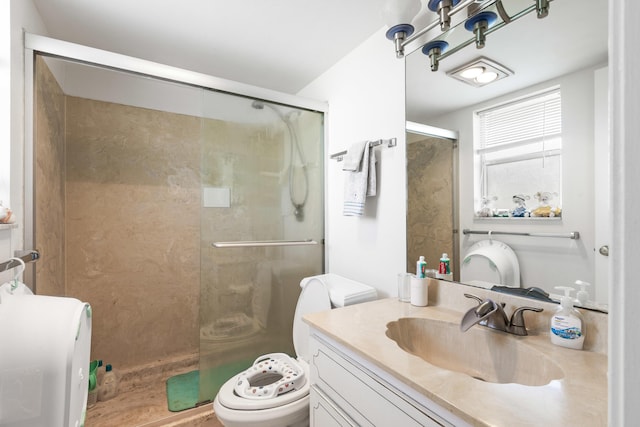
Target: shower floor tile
x,y
142,401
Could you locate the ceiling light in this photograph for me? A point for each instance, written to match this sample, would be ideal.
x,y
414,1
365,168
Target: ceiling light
x,y
482,17
398,15
487,77
472,73
480,72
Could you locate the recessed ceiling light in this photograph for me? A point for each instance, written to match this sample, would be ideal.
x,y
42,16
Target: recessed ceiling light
x,y
472,73
480,72
487,77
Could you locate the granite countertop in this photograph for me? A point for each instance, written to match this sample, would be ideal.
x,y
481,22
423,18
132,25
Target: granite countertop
x,y
579,398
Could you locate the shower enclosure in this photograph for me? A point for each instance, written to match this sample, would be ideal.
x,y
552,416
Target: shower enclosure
x,y
185,216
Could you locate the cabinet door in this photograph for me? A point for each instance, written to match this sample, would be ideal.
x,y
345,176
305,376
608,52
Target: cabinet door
x,y
365,400
325,413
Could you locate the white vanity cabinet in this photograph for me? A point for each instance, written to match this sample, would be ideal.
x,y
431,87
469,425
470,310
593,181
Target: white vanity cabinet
x,y
347,390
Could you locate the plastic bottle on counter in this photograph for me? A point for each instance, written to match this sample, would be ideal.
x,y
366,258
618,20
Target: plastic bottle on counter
x,y
583,294
109,387
444,268
567,325
421,268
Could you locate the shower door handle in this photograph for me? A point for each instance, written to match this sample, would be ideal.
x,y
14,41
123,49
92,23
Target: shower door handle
x,y
263,243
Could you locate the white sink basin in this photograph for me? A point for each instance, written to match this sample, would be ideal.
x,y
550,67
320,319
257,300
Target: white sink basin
x,y
481,353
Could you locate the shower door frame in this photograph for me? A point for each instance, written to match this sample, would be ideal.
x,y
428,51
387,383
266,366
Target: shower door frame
x,y
47,46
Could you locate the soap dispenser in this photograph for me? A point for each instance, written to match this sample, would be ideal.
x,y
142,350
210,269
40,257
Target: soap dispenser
x,y
583,294
567,325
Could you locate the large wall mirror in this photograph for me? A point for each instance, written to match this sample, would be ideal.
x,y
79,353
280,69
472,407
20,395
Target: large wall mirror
x,y
566,51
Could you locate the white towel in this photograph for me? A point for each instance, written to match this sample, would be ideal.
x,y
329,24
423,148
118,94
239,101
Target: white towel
x,y
354,156
360,184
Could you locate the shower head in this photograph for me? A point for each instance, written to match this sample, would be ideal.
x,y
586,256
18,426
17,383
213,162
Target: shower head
x,y
258,105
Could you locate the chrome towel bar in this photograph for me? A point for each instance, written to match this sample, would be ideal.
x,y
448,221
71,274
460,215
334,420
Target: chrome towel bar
x,y
575,235
263,243
28,256
391,142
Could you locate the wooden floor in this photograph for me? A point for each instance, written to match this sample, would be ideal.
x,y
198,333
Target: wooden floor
x,y
142,402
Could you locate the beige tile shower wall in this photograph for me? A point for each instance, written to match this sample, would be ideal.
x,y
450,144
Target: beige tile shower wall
x,y
132,225
429,201
49,179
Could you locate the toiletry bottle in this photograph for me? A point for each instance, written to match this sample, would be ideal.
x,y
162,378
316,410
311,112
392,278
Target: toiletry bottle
x,y
567,325
444,269
582,295
421,268
419,291
109,387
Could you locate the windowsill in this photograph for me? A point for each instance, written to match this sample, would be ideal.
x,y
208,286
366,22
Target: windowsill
x,y
8,226
518,219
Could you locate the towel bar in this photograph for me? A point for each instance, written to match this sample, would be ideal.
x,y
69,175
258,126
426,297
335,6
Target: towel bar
x,y
262,243
391,142
29,256
575,235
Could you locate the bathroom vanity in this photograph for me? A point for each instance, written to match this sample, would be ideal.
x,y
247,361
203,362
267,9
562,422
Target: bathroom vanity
x,y
374,364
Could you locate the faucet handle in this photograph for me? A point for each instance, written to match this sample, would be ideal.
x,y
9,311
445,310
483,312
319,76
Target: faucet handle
x,y
474,297
517,318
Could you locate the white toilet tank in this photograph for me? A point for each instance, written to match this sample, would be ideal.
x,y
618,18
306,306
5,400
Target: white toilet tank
x,y
45,345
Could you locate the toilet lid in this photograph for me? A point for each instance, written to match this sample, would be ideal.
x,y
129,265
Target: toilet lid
x,y
490,262
313,298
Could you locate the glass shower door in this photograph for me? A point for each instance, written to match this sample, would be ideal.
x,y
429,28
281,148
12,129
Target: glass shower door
x,y
261,229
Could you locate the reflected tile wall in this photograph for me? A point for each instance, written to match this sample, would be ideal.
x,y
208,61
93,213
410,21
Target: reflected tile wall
x,y
50,179
430,201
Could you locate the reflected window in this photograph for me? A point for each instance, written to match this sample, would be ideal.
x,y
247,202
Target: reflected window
x,y
518,157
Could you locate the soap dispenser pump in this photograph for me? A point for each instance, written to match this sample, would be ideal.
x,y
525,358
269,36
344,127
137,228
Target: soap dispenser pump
x,y
567,325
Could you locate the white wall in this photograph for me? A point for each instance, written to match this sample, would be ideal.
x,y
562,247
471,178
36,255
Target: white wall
x,y
568,259
365,91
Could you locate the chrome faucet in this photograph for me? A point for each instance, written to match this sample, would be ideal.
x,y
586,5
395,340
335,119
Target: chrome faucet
x,y
490,314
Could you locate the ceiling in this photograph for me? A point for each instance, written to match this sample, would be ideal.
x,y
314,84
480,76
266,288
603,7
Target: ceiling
x,y
284,45
276,44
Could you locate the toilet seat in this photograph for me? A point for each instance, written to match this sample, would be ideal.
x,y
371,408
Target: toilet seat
x,y
237,394
252,383
490,262
229,399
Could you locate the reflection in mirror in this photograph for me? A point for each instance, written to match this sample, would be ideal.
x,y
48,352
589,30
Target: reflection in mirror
x,y
431,209
568,49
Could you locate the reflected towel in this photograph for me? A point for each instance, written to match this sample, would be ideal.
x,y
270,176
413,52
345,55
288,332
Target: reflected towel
x,y
360,184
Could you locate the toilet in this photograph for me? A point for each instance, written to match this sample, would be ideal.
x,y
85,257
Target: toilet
x,y
488,263
274,391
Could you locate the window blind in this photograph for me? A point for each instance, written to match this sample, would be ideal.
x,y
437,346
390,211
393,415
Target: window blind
x,y
524,123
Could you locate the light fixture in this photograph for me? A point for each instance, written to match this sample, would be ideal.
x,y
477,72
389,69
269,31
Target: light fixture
x,y
434,49
398,14
482,17
479,24
442,8
480,71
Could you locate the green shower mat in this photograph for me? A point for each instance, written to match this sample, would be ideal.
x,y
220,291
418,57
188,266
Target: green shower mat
x,y
183,390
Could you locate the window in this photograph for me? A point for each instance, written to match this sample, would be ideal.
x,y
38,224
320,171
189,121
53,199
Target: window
x,y
518,151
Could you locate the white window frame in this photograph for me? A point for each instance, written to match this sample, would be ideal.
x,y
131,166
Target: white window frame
x,y
548,104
